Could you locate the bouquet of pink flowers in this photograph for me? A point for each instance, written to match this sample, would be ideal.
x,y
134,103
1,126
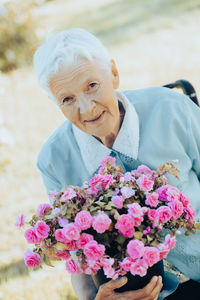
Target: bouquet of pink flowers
x,y
119,222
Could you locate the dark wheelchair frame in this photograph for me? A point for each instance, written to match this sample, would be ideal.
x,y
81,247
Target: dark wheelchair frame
x,y
186,88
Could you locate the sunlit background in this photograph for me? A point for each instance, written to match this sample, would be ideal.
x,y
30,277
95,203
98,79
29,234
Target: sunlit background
x,y
153,43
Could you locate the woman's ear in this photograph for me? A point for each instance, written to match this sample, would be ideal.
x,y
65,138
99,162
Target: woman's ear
x,y
115,74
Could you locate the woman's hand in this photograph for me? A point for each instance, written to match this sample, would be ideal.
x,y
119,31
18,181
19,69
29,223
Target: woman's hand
x,y
149,292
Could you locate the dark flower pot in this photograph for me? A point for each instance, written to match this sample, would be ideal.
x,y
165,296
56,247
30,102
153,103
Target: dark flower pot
x,y
134,282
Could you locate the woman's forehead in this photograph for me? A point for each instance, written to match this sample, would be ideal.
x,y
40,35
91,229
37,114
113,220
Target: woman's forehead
x,y
81,72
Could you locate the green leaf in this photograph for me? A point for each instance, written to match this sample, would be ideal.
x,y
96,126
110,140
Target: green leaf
x,y
119,247
48,217
120,239
149,238
113,211
109,194
47,261
110,205
100,203
138,235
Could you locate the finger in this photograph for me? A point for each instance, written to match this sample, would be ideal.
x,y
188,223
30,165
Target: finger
x,y
157,289
148,289
144,292
108,287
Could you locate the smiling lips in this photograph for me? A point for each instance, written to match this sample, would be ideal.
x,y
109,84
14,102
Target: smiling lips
x,y
96,119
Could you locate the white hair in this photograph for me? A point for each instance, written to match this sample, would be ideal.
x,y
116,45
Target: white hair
x,y
66,48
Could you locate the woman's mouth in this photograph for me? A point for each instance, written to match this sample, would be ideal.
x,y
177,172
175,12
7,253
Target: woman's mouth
x,y
96,119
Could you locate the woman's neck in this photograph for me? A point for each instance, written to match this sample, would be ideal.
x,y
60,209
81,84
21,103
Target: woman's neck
x,y
109,140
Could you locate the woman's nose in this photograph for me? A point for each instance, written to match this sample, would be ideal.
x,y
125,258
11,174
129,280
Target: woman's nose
x,y
85,104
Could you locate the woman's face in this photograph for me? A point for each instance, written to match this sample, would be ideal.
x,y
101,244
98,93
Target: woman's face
x,y
86,96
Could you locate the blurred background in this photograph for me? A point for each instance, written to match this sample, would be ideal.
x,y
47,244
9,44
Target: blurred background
x,y
153,43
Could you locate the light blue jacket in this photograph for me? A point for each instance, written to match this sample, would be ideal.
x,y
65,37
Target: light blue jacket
x,y
169,129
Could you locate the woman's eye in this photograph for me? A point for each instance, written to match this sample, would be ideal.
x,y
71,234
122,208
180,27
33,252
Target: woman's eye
x,y
93,85
67,99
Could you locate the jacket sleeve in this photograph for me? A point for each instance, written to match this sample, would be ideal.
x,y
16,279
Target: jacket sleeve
x,y
193,117
50,182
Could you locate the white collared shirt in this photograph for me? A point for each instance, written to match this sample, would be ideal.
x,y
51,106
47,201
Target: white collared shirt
x,y
126,142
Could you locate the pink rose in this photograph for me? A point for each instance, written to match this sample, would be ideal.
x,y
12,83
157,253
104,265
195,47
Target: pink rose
x,y
91,191
107,161
126,263
168,193
62,222
128,177
139,267
170,241
145,209
184,199
71,246
142,169
100,171
99,181
173,193
93,250
163,250
177,209
42,229
109,272
93,264
164,214
106,181
118,200
144,183
135,210
95,181
125,225
162,192
151,255
63,254
32,259
127,192
107,261
71,232
56,211
68,194
20,221
31,236
190,212
84,239
135,248
118,273
147,231
152,199
152,214
42,209
101,222
116,191
89,271
73,266
53,195
59,236
84,220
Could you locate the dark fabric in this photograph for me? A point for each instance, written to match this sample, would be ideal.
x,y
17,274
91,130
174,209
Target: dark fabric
x,y
186,291
126,162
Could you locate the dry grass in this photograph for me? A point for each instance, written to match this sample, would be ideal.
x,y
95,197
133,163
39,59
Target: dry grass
x,y
47,283
155,56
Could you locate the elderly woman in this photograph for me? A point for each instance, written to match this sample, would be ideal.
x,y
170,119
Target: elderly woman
x,y
149,126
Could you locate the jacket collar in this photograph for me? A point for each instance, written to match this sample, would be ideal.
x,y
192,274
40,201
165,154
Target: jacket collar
x,y
126,142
